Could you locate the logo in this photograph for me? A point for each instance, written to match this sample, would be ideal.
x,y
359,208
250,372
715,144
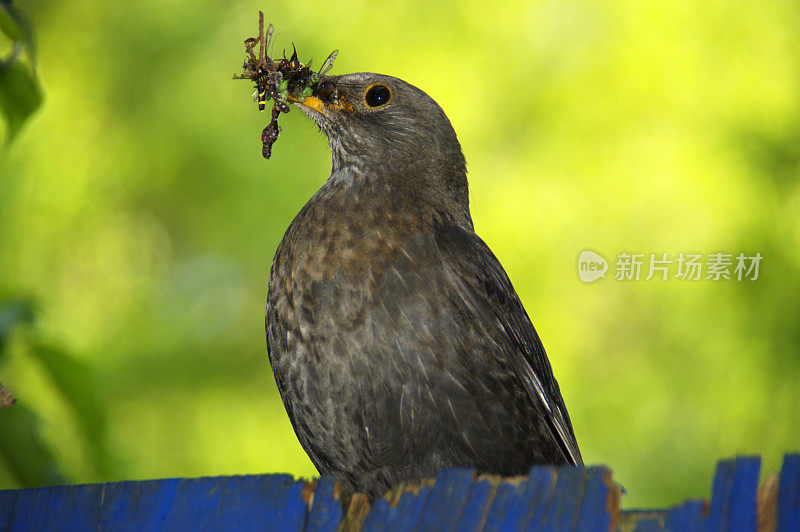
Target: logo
x,y
591,266
715,267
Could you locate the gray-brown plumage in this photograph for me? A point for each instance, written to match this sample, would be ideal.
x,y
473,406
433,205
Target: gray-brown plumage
x,y
398,343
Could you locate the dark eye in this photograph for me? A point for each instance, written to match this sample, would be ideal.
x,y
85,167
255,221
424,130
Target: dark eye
x,y
377,95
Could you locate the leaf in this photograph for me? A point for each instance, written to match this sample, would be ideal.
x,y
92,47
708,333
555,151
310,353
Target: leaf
x,y
7,23
12,314
77,383
15,25
20,96
23,450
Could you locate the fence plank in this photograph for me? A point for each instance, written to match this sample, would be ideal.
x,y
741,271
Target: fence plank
x,y
688,516
405,516
446,500
132,506
59,508
547,499
720,496
326,511
742,513
562,511
507,501
475,509
537,490
594,513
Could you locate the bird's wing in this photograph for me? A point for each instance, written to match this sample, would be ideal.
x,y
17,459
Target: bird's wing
x,y
475,269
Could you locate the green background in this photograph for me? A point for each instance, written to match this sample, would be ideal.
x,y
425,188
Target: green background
x,y
137,212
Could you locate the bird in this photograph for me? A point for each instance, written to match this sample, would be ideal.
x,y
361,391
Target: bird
x,y
397,341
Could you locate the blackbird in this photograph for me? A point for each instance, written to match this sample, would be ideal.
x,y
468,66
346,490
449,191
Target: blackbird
x,y
397,341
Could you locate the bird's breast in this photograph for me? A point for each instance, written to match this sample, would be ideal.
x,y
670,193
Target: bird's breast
x,y
341,257
348,234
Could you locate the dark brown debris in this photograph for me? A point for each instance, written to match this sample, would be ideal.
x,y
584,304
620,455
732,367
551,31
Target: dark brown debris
x,y
277,80
6,397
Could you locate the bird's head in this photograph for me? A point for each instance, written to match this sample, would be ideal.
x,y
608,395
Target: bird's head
x,y
392,131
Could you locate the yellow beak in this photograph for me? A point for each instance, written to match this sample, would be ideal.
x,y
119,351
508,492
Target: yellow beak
x,y
319,106
312,102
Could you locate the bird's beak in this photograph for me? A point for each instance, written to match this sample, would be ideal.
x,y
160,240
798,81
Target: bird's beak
x,y
311,102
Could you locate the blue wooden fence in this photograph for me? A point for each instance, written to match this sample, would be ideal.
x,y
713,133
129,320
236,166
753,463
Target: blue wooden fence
x,y
547,499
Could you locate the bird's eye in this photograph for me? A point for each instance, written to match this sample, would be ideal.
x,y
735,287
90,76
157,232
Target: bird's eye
x,y
377,95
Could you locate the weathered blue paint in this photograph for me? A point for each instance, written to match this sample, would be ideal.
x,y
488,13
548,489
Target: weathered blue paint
x,y
405,516
648,525
562,512
733,498
742,514
541,484
447,500
593,514
720,496
45,509
519,510
547,499
507,499
326,512
478,499
688,516
131,506
266,502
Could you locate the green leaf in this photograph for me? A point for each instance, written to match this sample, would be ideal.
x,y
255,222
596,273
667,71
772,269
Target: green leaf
x,y
23,450
12,314
20,96
15,25
8,25
77,383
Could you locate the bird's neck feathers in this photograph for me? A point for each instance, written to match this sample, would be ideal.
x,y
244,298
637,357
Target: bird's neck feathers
x,y
431,180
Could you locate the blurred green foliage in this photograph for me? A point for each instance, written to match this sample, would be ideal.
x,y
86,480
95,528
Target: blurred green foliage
x,y
24,452
20,94
137,210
